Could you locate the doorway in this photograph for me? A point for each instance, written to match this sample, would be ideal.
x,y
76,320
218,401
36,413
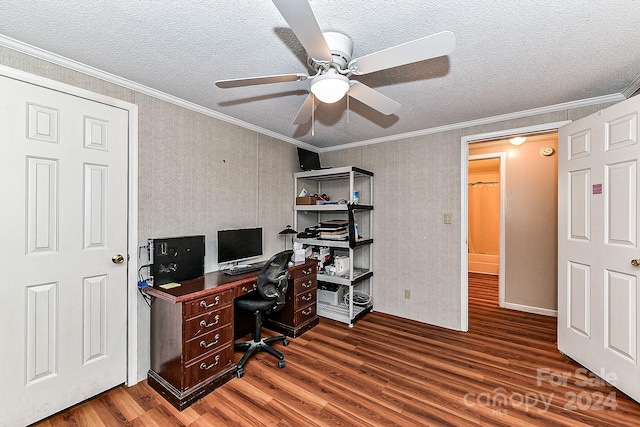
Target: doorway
x,y
486,219
528,268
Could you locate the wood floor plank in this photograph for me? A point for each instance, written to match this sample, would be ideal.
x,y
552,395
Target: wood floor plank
x,y
80,415
387,370
124,403
252,412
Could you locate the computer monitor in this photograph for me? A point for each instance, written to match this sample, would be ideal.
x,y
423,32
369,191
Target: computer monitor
x,y
309,160
239,244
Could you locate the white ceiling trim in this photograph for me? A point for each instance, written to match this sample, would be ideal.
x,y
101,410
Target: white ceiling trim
x,y
487,120
633,87
103,75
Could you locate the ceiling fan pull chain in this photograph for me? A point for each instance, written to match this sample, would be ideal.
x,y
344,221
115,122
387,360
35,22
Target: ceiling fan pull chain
x,y
347,108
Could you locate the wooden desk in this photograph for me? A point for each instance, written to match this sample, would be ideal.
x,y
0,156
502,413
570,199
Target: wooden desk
x,y
192,332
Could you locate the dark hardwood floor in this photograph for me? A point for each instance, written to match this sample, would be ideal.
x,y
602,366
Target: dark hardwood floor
x,y
506,371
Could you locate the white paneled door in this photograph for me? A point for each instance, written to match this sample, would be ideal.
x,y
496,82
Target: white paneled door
x,y
63,217
598,237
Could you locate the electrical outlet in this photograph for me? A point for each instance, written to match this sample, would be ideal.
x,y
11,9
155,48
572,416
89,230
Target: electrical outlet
x,y
407,294
448,217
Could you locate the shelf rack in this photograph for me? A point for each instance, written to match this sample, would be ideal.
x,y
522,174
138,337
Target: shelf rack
x,y
344,181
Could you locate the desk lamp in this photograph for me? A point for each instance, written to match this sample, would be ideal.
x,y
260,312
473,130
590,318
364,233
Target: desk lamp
x,y
288,230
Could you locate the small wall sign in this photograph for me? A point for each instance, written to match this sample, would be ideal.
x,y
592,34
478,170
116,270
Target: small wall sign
x,y
597,188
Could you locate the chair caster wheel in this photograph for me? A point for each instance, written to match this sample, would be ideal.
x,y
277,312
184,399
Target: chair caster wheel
x,y
285,342
240,373
281,364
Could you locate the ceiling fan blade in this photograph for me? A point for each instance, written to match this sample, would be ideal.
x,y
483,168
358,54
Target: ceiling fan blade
x,y
302,21
428,47
306,111
372,98
250,81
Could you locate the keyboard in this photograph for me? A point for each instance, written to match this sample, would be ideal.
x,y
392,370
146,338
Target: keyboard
x,y
241,269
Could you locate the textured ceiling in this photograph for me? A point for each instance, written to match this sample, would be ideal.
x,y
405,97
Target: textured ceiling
x,y
510,56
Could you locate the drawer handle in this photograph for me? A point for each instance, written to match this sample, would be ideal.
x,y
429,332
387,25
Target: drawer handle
x,y
204,324
204,366
204,344
307,297
307,271
308,284
253,287
306,313
204,304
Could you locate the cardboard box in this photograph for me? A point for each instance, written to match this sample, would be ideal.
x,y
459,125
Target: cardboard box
x,y
307,200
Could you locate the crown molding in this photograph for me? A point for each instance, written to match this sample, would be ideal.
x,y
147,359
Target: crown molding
x,y
633,87
487,120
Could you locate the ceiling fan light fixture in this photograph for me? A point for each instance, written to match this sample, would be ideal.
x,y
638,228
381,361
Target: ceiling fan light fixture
x,y
518,140
330,87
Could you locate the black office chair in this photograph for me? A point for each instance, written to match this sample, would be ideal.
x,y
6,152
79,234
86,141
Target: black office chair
x,y
273,281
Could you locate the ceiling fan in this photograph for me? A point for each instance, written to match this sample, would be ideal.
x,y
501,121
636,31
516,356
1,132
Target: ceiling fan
x,y
329,54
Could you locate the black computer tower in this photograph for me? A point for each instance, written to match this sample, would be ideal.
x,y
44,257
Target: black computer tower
x,y
175,259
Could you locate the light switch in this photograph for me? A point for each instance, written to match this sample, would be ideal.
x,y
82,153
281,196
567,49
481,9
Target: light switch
x,y
448,217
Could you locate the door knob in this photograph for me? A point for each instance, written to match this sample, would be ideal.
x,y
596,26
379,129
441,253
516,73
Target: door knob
x,y
117,259
635,262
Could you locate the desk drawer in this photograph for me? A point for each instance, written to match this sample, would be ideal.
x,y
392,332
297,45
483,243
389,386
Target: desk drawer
x,y
208,342
304,315
211,302
305,298
303,284
298,273
204,368
207,322
246,288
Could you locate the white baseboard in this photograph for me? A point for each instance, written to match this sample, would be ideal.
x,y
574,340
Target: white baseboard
x,y
530,309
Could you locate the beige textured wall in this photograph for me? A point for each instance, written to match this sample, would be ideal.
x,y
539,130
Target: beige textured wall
x,y
531,264
416,180
197,174
531,222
